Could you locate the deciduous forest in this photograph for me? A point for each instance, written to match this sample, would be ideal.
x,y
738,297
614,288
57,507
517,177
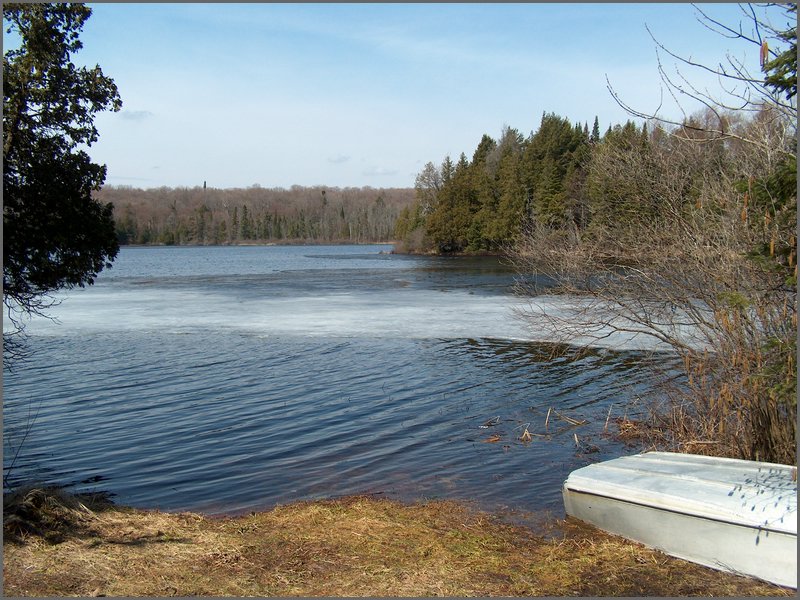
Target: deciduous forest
x,y
202,215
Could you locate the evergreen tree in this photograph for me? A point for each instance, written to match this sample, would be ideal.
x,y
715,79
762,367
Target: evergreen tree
x,y
55,235
509,217
483,197
548,155
595,136
781,72
549,208
246,225
447,169
449,223
233,232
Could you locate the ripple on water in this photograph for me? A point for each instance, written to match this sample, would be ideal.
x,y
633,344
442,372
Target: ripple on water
x,y
265,423
235,380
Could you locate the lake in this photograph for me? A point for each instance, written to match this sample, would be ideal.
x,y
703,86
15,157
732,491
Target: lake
x,y
231,379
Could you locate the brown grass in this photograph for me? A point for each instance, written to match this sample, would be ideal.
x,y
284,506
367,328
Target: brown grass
x,y
356,546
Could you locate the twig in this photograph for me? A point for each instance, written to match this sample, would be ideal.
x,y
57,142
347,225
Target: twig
x,y
28,428
490,423
569,420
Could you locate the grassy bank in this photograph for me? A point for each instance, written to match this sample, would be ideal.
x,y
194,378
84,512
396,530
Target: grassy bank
x,y
57,545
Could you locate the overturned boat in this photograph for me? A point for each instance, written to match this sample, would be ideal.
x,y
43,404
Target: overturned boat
x,y
733,515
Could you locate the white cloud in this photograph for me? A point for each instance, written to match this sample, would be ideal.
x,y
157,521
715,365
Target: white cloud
x,y
135,115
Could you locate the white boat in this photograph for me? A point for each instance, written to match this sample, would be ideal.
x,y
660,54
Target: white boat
x,y
733,515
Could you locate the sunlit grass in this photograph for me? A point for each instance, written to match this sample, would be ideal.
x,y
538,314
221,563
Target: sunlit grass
x,y
356,546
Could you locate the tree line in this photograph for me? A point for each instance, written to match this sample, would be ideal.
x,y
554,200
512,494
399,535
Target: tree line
x,y
555,178
202,215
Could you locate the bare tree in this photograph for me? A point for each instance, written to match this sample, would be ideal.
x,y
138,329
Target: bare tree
x,y
739,90
427,185
709,274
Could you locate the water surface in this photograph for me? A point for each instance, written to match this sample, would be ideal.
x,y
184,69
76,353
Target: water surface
x,y
228,379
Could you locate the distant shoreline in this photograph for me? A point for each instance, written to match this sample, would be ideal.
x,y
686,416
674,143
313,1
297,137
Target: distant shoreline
x,y
260,244
329,243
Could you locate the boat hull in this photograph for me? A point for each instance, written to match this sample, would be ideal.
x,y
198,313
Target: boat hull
x,y
703,533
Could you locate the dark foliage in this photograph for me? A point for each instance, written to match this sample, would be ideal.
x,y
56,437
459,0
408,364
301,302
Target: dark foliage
x,y
55,235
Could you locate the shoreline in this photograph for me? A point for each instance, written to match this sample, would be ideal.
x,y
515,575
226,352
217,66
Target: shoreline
x,y
259,244
394,243
56,544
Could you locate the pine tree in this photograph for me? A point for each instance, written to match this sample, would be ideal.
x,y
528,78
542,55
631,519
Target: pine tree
x,y
246,225
234,230
595,136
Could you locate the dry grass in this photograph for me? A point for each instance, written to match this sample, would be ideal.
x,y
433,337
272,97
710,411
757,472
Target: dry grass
x,y
357,546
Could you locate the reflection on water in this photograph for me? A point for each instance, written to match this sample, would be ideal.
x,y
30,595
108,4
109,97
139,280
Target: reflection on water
x,y
231,386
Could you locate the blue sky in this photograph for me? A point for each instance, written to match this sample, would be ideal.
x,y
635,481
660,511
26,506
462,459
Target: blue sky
x,y
364,94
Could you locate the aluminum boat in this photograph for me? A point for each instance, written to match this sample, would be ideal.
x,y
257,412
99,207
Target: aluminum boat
x,y
733,515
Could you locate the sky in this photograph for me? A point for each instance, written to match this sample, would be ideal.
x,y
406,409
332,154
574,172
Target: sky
x,y
352,95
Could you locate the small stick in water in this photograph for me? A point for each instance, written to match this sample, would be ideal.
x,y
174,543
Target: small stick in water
x,y
547,420
490,423
608,417
569,420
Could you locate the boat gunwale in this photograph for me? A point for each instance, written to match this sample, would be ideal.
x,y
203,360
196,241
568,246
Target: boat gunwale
x,y
784,520
757,528
686,458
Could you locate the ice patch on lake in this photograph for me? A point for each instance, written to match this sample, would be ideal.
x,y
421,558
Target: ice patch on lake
x,y
342,291
416,314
